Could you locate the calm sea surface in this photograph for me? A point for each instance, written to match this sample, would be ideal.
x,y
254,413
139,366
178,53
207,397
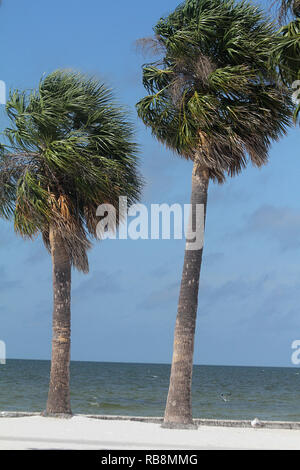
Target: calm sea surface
x,y
141,389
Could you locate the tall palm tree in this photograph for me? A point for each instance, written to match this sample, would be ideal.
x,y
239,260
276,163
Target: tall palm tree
x,y
70,150
213,100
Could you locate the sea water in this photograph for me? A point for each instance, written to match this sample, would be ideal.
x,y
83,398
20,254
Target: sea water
x,y
141,389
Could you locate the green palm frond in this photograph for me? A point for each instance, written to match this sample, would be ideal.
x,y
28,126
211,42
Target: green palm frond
x,y
286,55
76,151
286,50
213,89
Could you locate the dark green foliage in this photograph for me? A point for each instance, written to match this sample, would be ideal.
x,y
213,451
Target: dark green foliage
x,y
70,149
213,95
286,51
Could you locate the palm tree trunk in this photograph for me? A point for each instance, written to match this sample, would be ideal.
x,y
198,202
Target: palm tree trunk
x,y
178,411
59,389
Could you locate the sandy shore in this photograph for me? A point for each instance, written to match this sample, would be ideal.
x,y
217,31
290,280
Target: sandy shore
x,y
80,432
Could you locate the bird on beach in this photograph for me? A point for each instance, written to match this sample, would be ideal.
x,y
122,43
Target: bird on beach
x,y
255,423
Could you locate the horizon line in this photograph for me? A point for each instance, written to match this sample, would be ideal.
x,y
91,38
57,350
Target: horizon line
x,y
159,363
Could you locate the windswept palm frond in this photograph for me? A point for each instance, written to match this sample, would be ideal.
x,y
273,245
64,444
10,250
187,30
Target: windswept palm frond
x,y
70,149
214,80
285,53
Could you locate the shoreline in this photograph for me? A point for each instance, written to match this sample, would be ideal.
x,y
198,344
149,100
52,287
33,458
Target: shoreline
x,y
33,432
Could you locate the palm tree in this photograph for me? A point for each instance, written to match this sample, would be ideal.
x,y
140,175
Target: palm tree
x,y
70,150
213,100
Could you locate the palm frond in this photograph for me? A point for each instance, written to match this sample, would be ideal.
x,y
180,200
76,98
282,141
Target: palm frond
x,y
215,80
76,151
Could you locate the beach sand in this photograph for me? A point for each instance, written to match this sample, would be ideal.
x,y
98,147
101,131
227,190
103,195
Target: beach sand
x,y
36,432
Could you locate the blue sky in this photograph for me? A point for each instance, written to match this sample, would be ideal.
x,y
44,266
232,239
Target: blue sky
x,y
125,308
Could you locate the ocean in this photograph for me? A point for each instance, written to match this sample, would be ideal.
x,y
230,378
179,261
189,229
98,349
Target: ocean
x,y
141,389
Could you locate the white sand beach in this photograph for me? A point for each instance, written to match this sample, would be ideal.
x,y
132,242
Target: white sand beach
x,y
36,432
